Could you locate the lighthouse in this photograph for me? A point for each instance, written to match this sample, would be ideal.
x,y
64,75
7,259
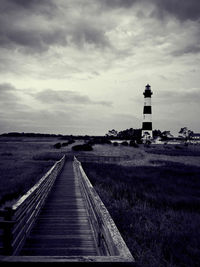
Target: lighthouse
x,y
147,114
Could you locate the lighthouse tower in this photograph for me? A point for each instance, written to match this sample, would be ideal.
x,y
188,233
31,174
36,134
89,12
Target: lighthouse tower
x,y
147,117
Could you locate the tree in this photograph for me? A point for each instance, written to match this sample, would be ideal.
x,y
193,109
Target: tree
x,y
165,135
185,133
112,133
157,133
133,134
146,139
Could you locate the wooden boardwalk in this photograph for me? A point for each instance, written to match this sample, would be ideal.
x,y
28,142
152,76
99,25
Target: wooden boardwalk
x,y
62,227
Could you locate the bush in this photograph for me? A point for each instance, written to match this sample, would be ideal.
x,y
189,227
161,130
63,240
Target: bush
x,y
57,145
133,143
65,144
85,147
99,140
178,147
125,143
71,141
115,144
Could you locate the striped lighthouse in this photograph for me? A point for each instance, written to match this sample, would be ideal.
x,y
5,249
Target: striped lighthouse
x,y
147,117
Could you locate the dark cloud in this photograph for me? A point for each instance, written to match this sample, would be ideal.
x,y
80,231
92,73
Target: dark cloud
x,y
84,33
21,28
6,87
28,3
50,96
31,40
181,9
45,7
18,30
25,27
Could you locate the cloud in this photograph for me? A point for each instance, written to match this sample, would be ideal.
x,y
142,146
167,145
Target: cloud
x,y
186,49
30,3
8,93
118,3
25,27
50,96
29,36
87,35
181,9
45,7
49,111
178,97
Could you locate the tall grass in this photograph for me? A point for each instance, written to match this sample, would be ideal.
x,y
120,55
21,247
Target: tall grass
x,y
22,164
17,178
156,209
175,150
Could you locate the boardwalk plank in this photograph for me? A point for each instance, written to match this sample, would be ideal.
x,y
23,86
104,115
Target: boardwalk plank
x,y
62,227
59,252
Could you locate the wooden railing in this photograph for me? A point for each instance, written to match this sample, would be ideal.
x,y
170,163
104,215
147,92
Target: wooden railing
x,y
108,239
16,221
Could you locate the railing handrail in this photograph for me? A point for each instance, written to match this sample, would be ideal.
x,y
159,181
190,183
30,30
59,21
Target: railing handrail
x,y
36,186
111,239
19,218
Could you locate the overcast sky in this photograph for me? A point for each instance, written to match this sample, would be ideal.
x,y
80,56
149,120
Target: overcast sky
x,y
81,66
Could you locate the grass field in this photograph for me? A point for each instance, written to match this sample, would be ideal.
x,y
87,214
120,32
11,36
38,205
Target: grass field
x,y
23,162
154,200
153,195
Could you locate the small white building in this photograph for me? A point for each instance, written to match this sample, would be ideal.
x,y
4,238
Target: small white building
x,y
195,136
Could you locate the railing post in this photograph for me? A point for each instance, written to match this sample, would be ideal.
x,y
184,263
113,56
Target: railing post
x,y
99,239
7,231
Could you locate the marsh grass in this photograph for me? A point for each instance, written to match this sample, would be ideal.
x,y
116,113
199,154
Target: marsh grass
x,y
156,209
175,150
22,164
18,177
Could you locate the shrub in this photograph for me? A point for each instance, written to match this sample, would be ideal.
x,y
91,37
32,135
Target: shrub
x,y
71,141
84,147
133,143
178,147
65,144
125,143
115,144
57,145
99,140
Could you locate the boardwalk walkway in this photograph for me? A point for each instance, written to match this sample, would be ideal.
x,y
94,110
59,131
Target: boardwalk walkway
x,y
63,227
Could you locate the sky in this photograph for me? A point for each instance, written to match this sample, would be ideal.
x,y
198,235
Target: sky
x,y
81,66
